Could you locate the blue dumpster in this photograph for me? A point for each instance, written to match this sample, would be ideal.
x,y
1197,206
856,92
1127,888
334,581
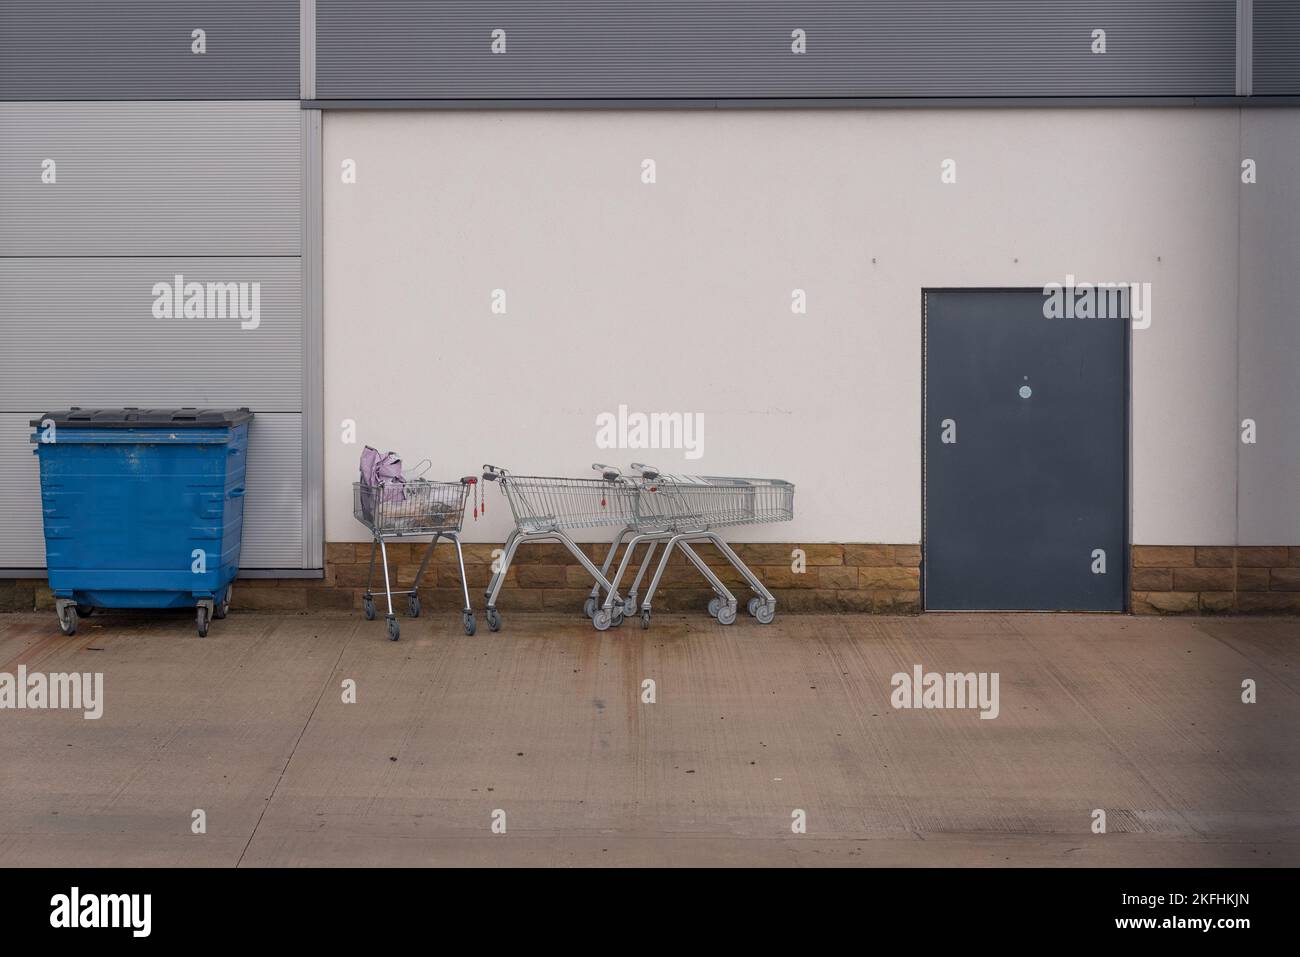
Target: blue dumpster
x,y
143,508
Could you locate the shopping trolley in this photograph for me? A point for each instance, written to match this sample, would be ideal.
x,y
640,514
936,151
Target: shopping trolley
x,y
690,508
546,508
412,508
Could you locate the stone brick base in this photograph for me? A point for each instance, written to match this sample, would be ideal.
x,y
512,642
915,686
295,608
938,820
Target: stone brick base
x,y
1186,579
545,577
885,579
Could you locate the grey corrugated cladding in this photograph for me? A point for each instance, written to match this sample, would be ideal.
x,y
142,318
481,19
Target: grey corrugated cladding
x,y
135,179
141,50
1277,47
742,48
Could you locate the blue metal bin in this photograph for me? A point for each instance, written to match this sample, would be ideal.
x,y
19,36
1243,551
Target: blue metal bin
x,y
143,508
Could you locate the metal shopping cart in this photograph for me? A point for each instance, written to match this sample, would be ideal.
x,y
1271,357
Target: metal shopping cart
x,y
546,508
657,517
407,509
692,508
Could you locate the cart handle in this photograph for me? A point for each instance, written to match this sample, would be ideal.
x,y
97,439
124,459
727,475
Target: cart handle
x,y
607,472
469,480
647,471
493,472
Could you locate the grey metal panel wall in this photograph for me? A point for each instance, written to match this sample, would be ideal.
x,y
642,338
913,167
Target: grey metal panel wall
x,y
141,50
273,508
273,521
742,48
1276,47
83,332
150,179
22,543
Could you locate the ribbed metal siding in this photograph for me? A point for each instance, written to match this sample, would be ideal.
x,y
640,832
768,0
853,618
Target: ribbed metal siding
x,y
151,179
141,50
82,332
741,48
272,508
1277,47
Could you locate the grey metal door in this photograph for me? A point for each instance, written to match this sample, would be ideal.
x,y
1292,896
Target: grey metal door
x,y
1025,455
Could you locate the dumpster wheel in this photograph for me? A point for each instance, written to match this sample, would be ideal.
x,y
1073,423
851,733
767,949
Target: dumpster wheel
x,y
201,620
68,619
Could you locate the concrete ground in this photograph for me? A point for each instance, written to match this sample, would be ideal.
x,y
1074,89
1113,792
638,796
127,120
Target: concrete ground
x,y
1139,717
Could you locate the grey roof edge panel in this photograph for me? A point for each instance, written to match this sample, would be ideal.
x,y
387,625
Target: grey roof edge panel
x,y
1275,48
149,50
735,49
803,103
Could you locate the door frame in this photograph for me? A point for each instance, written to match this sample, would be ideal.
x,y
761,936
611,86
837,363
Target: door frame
x,y
1126,569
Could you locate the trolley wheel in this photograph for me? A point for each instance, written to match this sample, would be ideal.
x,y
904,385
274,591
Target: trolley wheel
x,y
589,606
727,614
222,608
368,606
68,621
394,629
715,606
470,626
629,606
618,616
493,619
753,605
766,612
645,619
602,619
85,611
201,621
413,606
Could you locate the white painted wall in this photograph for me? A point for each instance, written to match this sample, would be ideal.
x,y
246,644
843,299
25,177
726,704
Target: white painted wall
x,y
676,296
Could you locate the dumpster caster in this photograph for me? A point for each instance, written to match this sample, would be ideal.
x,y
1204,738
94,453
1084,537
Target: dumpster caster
x,y
394,629
222,608
85,611
67,612
470,626
368,606
201,620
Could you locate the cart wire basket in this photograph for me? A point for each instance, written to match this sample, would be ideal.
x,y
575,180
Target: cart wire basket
x,y
546,508
412,508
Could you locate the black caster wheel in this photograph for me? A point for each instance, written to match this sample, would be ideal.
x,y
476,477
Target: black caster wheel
x,y
470,626
201,621
413,606
493,620
85,611
222,608
68,621
394,629
368,606
645,619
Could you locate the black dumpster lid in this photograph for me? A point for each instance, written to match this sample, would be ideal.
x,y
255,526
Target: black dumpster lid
x,y
133,418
